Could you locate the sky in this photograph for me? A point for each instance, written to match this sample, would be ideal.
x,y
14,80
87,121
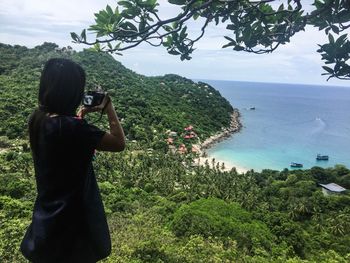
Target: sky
x,y
32,22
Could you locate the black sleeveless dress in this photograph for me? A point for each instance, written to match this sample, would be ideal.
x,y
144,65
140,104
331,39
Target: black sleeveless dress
x,y
69,222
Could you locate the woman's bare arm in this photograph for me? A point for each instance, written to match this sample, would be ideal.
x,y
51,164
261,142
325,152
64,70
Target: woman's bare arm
x,y
114,141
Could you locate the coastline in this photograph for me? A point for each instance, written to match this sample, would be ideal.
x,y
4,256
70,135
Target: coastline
x,y
235,126
228,165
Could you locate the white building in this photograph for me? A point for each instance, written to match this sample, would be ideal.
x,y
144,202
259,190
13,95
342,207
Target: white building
x,y
332,188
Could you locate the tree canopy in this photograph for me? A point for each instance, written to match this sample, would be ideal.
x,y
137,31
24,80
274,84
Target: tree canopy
x,y
160,206
252,26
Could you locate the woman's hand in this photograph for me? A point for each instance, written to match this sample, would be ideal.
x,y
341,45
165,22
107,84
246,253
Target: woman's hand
x,y
84,110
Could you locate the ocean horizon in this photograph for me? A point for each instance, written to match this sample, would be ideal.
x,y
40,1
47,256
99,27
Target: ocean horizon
x,y
290,123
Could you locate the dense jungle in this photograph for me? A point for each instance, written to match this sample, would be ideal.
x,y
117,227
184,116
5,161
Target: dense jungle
x,y
160,206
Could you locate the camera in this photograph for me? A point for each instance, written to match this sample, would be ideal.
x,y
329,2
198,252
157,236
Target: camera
x,y
93,98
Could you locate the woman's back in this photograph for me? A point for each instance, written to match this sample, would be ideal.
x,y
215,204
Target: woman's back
x,y
69,223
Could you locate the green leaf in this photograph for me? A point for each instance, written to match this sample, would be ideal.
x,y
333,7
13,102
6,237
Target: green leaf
x,y
183,34
238,48
185,56
230,27
280,8
232,42
109,10
74,36
230,39
97,47
102,17
167,28
129,26
228,45
116,11
177,2
129,13
100,34
318,4
117,46
217,20
327,30
328,69
335,29
151,2
331,38
83,35
341,40
169,41
126,4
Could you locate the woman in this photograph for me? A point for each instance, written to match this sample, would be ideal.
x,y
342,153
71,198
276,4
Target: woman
x,y
68,223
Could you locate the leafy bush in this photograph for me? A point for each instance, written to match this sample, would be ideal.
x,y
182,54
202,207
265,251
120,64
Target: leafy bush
x,y
214,217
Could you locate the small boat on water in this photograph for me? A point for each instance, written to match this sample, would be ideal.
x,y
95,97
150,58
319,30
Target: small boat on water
x,y
252,108
321,157
296,165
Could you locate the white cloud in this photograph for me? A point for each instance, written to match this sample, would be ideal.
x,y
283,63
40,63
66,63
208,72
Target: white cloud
x,y
56,11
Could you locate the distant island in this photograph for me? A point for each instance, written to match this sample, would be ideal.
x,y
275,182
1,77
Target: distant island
x,y
161,206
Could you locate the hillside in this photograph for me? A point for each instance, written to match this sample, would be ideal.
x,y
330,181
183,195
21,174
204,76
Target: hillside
x,y
160,207
148,106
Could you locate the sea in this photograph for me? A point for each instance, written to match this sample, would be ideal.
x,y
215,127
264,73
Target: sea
x,y
290,123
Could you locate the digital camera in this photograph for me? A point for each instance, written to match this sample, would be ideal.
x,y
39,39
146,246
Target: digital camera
x,y
93,98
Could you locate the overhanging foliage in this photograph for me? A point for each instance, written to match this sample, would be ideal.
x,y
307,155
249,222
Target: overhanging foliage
x,y
252,26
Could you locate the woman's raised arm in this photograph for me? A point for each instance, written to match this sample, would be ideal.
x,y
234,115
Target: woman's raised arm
x,y
115,140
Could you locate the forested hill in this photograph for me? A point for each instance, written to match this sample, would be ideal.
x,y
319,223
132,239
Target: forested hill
x,y
160,206
148,106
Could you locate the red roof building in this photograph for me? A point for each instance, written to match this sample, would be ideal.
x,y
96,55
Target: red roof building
x,y
189,128
182,148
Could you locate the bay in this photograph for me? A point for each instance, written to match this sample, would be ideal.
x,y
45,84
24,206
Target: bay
x,y
290,123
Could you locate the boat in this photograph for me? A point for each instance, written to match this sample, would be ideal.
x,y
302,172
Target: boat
x,y
252,108
321,157
296,165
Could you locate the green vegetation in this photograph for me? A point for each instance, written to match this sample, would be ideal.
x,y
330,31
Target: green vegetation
x,y
252,26
148,106
160,207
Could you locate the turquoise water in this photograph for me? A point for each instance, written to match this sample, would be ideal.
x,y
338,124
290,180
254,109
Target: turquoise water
x,y
291,123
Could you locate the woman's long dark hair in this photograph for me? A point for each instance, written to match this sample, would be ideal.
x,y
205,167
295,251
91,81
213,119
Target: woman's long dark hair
x,y
61,90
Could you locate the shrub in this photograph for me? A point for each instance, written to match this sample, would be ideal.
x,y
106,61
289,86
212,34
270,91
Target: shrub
x,y
216,218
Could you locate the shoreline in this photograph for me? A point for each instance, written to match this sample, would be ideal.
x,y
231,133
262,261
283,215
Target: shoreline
x,y
228,165
235,127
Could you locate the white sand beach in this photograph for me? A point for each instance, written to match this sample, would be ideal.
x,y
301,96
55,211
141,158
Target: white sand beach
x,y
228,165
235,126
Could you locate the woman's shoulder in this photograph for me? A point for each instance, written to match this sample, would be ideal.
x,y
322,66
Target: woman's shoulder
x,y
72,130
71,125
63,123
74,120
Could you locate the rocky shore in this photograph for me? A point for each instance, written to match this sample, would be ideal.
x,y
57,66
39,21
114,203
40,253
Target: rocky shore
x,y
235,126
